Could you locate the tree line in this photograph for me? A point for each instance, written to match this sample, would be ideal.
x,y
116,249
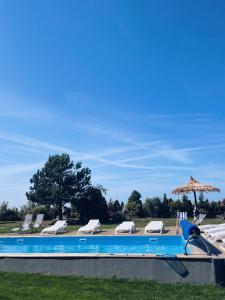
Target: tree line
x,y
64,189
165,207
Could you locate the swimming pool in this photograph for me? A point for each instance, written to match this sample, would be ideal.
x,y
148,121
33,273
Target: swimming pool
x,y
159,245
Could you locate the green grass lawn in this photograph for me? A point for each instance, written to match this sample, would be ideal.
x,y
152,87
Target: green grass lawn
x,y
34,286
5,227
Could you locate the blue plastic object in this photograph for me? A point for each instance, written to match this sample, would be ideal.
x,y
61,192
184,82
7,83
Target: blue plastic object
x,y
188,229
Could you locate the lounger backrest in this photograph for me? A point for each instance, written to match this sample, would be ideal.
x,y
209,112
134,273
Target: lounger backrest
x,y
60,223
156,222
202,216
28,219
39,219
94,222
182,215
200,219
131,223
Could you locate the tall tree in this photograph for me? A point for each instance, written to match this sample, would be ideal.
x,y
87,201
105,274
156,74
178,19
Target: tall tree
x,y
59,182
164,210
8,214
92,204
110,206
148,208
186,205
134,205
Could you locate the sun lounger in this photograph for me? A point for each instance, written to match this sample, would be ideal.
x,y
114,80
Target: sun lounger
x,y
125,227
200,218
181,215
209,226
217,236
59,227
223,244
154,226
26,224
213,230
39,220
93,226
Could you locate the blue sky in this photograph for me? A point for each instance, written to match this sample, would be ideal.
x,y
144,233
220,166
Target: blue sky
x,y
134,89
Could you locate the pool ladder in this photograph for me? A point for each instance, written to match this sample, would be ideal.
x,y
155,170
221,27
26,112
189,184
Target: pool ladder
x,y
195,236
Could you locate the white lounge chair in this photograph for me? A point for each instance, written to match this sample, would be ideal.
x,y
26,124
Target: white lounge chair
x,y
93,226
181,215
154,226
125,227
223,245
200,218
217,236
39,220
59,227
214,230
209,226
26,224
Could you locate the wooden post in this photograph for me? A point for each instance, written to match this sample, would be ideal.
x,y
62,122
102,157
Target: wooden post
x,y
195,198
195,205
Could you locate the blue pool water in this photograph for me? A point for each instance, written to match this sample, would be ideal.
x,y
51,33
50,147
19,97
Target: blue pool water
x,y
160,245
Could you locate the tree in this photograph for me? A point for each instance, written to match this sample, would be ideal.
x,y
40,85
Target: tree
x,y
186,205
115,210
110,206
148,208
164,210
59,182
92,205
8,214
156,204
116,206
134,205
177,206
165,199
171,207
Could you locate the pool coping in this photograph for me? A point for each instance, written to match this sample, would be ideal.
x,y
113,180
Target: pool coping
x,y
82,235
91,255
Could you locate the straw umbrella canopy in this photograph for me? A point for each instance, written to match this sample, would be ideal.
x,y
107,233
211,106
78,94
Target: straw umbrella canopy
x,y
195,186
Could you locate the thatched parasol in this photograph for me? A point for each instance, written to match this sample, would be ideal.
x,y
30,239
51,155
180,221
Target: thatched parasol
x,y
195,186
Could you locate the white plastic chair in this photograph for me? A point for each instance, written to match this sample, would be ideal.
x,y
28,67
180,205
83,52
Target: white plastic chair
x,y
93,226
39,220
26,224
59,227
154,226
125,227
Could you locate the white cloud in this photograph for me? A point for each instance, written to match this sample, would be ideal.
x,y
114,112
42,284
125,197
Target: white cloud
x,y
153,162
19,169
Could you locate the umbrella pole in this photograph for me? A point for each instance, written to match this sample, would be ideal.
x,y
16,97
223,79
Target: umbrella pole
x,y
195,198
195,205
